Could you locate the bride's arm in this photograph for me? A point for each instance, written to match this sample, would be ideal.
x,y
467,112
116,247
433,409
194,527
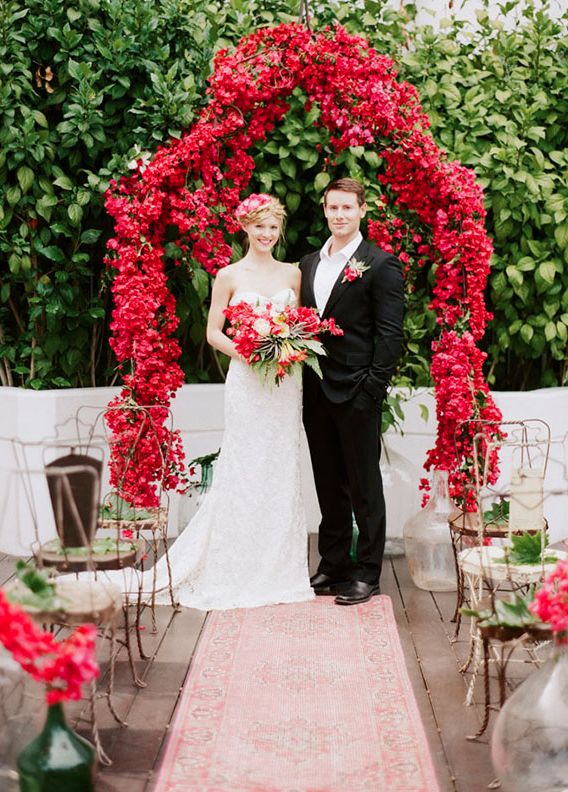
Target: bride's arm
x,y
220,296
296,284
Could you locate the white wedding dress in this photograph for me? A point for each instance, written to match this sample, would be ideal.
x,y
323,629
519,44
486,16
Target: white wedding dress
x,y
247,544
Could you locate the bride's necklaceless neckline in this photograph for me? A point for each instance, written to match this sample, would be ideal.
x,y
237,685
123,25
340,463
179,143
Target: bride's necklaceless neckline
x,y
259,294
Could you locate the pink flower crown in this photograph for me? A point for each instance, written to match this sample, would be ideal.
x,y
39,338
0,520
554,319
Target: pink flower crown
x,y
251,204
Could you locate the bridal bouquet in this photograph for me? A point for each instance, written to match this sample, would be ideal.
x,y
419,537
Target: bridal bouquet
x,y
276,341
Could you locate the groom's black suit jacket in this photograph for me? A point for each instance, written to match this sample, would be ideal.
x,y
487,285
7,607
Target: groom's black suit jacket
x,y
369,310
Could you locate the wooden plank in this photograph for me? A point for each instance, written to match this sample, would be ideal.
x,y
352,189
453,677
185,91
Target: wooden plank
x,y
121,782
469,761
149,711
389,586
135,749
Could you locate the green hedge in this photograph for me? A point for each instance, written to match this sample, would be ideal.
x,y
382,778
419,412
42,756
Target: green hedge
x,y
86,89
498,102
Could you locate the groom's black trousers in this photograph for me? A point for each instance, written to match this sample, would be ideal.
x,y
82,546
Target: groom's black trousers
x,y
344,447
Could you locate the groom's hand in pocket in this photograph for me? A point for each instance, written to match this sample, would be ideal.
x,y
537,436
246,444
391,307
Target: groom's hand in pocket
x,y
364,401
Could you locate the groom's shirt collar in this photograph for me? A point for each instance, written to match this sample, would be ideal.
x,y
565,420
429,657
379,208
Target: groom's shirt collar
x,y
330,267
345,253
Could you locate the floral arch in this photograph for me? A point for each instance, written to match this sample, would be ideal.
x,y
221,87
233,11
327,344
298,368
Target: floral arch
x,y
188,192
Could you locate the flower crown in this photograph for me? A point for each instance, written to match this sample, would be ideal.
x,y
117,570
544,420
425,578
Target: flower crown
x,y
251,204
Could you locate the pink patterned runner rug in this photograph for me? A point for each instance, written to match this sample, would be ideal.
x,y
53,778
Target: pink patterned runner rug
x,y
307,697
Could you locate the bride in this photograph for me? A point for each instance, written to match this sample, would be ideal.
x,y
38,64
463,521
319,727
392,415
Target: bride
x,y
247,544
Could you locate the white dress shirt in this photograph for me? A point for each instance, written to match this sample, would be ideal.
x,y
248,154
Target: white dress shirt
x,y
329,267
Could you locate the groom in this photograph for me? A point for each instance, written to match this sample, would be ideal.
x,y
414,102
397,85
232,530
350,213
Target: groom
x,y
362,288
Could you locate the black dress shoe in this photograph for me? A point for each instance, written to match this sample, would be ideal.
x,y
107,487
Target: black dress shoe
x,y
326,585
357,592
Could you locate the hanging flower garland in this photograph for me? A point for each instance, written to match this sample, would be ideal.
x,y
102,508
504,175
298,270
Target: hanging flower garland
x,y
433,216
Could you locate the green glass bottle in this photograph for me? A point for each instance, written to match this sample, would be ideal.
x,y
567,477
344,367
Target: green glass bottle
x,y
57,760
205,484
354,540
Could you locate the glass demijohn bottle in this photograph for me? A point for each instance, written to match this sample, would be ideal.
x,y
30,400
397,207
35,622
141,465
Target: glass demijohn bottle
x,y
428,543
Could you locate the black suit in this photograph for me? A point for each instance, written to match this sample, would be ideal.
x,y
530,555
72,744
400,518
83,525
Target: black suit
x,y
342,411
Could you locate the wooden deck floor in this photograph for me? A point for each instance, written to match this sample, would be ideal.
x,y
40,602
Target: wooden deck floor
x,y
432,659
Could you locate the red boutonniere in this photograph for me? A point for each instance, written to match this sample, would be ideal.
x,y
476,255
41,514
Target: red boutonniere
x,y
354,270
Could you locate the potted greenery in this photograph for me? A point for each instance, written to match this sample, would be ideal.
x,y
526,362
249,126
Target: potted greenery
x,y
54,600
505,618
117,513
527,549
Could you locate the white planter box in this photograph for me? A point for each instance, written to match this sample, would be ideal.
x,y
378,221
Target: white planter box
x,y
198,413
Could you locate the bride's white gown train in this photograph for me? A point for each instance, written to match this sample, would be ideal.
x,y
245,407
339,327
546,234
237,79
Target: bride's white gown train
x,y
247,544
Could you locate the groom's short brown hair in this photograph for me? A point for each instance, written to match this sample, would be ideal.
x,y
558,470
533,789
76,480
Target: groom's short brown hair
x,y
347,185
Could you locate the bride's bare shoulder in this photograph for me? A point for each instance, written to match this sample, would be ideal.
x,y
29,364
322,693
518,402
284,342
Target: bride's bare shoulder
x,y
293,272
226,274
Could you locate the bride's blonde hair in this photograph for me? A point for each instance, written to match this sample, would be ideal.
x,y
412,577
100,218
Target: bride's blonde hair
x,y
257,207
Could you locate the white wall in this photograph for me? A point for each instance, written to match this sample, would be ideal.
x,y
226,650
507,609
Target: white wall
x,y
198,413
433,12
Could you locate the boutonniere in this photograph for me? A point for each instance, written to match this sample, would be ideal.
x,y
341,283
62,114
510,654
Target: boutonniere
x,y
353,270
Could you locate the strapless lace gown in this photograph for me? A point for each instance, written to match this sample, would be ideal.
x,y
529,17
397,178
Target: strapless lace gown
x,y
247,544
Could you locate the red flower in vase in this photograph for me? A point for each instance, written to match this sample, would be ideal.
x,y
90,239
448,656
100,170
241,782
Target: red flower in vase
x,y
63,666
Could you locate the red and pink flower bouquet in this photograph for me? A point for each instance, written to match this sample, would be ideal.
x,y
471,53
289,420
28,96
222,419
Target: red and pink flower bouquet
x,y
277,341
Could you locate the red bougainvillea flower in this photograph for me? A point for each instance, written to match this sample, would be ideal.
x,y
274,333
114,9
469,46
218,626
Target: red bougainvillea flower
x,y
551,601
432,215
63,666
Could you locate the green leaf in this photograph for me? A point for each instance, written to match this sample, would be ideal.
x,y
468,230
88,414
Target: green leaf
x,y
560,235
321,181
74,69
83,197
536,133
45,206
372,158
288,167
527,548
526,264
515,277
75,213
90,236
53,253
64,182
547,271
498,512
26,177
13,195
550,331
40,118
527,333
200,281
293,201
